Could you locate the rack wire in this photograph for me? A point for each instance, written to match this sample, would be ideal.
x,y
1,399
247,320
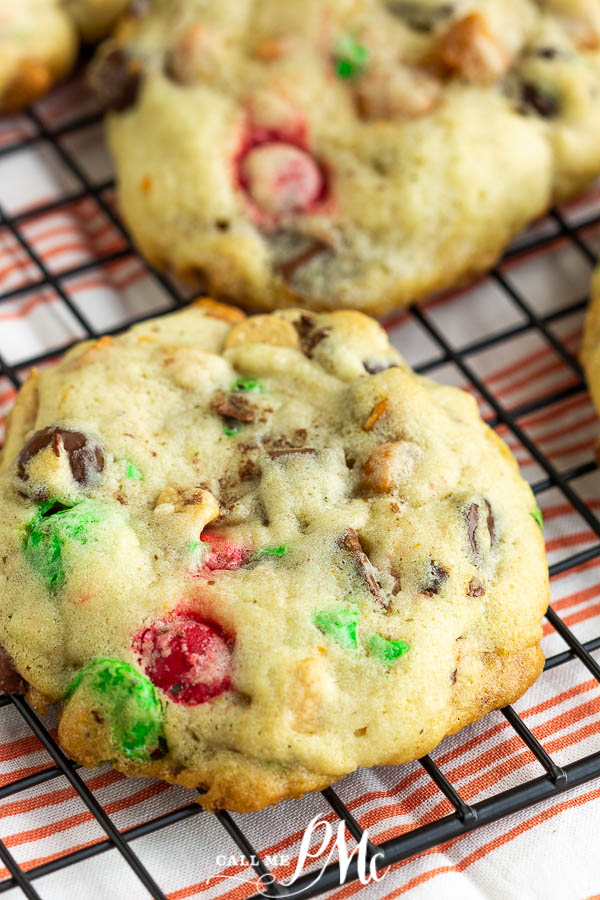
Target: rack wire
x,y
465,817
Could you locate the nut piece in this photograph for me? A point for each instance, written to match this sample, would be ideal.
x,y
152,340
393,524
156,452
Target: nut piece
x,y
263,330
396,92
389,466
197,56
311,690
471,50
186,510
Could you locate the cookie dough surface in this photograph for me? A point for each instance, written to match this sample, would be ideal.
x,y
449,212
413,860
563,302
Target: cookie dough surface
x,y
252,554
590,353
347,153
39,40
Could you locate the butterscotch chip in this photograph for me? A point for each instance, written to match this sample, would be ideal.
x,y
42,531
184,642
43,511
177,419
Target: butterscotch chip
x,y
219,310
224,581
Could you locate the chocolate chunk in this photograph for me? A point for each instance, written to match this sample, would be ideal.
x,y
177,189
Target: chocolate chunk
x,y
84,459
117,79
10,680
421,17
292,451
309,334
438,574
537,99
453,675
491,522
375,366
350,541
472,522
233,406
475,521
476,588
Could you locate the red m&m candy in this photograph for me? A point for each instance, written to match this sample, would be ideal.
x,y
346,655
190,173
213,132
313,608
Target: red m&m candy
x,y
186,657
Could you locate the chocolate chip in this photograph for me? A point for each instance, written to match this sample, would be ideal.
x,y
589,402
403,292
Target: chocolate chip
x,y
476,588
375,366
117,79
10,680
222,225
84,460
546,52
453,675
350,542
421,17
97,717
541,101
233,406
292,451
438,574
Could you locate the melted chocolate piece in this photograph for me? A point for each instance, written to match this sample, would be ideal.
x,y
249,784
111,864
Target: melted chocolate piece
x,y
375,366
542,102
420,17
350,541
117,80
476,588
309,334
287,269
83,459
10,680
438,575
233,406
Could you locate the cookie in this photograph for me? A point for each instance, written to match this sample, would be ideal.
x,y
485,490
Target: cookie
x,y
252,554
39,40
590,351
347,154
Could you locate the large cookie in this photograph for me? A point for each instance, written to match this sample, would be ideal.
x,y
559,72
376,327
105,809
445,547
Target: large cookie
x,y
252,554
39,40
347,153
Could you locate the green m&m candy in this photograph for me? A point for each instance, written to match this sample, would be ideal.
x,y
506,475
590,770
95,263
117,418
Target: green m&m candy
x,y
340,624
130,703
53,526
386,652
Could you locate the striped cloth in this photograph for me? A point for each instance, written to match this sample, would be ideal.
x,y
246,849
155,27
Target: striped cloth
x,y
549,851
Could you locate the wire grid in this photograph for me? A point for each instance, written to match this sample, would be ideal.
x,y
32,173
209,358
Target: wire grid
x,y
465,817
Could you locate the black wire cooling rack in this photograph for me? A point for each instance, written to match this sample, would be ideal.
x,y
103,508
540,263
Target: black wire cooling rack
x,y
465,817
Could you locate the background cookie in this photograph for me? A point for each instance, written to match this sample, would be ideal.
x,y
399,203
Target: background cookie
x,y
39,40
335,153
590,351
254,554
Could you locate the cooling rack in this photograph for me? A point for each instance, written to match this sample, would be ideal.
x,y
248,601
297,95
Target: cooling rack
x,y
465,816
